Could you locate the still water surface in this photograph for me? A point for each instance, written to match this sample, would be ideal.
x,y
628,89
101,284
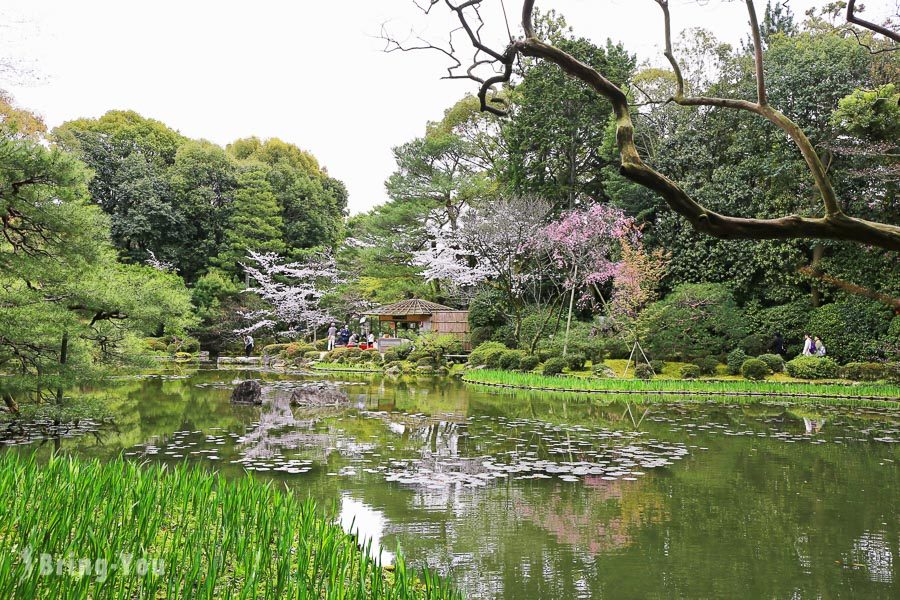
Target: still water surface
x,y
527,496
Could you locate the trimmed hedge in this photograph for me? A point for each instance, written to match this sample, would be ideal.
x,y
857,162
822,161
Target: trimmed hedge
x,y
643,371
755,369
554,366
866,371
707,365
735,361
529,362
690,371
511,360
813,367
774,362
487,355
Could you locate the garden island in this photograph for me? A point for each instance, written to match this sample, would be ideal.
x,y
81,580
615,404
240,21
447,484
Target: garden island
x,y
625,326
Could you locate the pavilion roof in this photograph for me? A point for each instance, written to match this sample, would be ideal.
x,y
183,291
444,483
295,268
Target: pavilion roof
x,y
413,306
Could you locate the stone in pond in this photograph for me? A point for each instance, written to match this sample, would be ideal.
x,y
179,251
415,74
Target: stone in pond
x,y
247,392
318,394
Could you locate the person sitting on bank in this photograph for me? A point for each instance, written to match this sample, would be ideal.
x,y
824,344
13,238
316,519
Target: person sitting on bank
x,y
353,340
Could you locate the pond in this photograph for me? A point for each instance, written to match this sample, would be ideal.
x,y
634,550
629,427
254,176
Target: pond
x,y
524,496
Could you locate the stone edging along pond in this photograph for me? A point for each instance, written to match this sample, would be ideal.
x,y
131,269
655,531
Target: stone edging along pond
x,y
727,394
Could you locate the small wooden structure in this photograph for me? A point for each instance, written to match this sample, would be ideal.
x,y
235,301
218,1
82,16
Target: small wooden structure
x,y
424,316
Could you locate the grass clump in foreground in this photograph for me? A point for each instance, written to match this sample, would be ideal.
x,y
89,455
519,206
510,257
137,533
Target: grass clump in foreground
x,y
199,535
889,394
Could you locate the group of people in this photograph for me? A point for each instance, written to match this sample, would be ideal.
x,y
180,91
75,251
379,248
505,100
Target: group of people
x,y
344,337
813,346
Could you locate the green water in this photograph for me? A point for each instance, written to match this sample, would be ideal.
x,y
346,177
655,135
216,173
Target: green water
x,y
525,496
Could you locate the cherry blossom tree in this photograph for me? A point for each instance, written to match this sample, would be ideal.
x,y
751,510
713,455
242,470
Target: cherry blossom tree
x,y
586,247
493,243
293,290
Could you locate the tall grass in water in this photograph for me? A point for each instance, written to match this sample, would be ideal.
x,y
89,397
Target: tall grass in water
x,y
885,394
212,538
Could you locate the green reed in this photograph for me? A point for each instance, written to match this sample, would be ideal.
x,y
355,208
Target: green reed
x,y
212,538
883,394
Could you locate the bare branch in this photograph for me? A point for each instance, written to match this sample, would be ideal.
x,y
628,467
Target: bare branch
x,y
757,55
852,18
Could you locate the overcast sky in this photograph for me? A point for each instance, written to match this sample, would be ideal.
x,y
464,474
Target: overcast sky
x,y
310,72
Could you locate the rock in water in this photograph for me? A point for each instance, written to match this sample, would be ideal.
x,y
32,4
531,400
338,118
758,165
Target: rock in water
x,y
318,394
247,392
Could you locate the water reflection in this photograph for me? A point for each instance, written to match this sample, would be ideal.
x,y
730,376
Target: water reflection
x,y
530,496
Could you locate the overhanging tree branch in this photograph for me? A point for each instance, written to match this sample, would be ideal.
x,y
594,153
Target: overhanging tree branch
x,y
835,225
852,18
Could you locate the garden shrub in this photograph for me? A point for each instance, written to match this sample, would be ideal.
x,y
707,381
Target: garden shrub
x,y
850,328
554,366
790,319
694,320
480,335
529,362
575,361
391,356
735,361
616,348
866,371
643,371
312,355
658,366
183,356
403,350
545,354
690,371
755,369
812,367
296,350
707,365
155,344
755,344
321,344
511,360
774,362
438,346
273,349
487,354
416,355
426,361
892,371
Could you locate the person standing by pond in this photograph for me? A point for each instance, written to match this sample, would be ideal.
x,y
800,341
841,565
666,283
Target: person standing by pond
x,y
332,334
248,345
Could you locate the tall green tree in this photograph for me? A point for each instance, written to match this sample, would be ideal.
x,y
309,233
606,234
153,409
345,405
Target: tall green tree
x,y
255,220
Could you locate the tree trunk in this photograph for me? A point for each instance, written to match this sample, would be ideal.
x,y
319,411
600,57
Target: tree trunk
x,y
571,306
816,293
63,357
10,403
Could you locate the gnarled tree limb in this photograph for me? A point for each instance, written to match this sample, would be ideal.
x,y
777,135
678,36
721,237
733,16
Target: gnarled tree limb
x,y
852,18
835,225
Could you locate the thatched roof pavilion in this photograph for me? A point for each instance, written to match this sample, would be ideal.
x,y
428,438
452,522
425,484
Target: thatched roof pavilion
x,y
424,315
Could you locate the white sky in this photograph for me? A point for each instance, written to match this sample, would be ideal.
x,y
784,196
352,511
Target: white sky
x,y
308,71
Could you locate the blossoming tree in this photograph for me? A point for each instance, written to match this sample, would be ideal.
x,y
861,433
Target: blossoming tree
x,y
293,290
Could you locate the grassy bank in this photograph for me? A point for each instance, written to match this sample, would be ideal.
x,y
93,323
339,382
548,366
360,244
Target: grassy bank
x,y
356,368
209,538
661,387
